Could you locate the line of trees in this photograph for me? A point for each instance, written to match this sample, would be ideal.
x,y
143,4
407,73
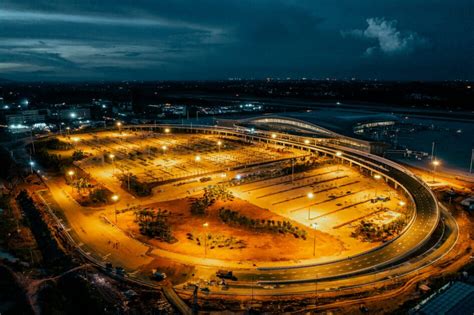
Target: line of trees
x,y
283,227
155,224
369,231
211,194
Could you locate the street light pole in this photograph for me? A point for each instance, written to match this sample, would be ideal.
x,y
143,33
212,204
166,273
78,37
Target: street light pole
x,y
310,196
472,161
71,174
377,177
314,226
205,225
435,164
338,154
115,198
113,163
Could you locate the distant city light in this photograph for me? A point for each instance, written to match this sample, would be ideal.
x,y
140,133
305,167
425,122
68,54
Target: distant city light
x,y
238,177
73,115
310,195
197,158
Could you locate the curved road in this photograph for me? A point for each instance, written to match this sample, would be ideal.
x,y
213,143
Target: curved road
x,y
383,258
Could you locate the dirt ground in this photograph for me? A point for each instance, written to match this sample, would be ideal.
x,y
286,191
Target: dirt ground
x,y
260,246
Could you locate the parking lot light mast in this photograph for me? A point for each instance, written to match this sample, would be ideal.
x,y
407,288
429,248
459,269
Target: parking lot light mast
x,y
112,157
314,226
219,144
119,126
205,225
377,177
115,198
338,154
472,161
435,163
310,196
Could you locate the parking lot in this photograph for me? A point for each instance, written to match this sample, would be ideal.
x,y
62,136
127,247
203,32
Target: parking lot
x,y
155,158
331,198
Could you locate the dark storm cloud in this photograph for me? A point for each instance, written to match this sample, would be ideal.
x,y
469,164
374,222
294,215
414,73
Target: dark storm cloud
x,y
189,39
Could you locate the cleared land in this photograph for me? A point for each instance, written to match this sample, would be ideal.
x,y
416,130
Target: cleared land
x,y
316,194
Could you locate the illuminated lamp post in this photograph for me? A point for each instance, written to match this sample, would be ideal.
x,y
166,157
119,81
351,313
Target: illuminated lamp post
x,y
338,154
314,226
310,196
205,225
435,163
112,157
377,177
115,198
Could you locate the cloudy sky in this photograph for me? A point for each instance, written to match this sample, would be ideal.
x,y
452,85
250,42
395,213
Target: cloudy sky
x,y
207,39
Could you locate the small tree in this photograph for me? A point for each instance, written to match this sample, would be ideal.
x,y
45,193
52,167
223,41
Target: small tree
x,y
78,155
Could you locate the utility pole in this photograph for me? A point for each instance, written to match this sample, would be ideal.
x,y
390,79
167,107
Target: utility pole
x,y
472,161
32,140
432,151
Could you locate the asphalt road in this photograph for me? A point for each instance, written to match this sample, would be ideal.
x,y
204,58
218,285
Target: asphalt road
x,y
378,260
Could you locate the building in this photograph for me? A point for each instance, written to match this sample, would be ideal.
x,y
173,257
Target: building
x,y
27,117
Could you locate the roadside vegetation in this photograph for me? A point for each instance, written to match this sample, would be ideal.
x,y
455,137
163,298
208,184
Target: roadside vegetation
x,y
211,194
369,231
154,224
231,217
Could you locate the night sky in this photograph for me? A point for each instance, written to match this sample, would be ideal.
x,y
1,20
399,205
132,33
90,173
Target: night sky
x,y
193,39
